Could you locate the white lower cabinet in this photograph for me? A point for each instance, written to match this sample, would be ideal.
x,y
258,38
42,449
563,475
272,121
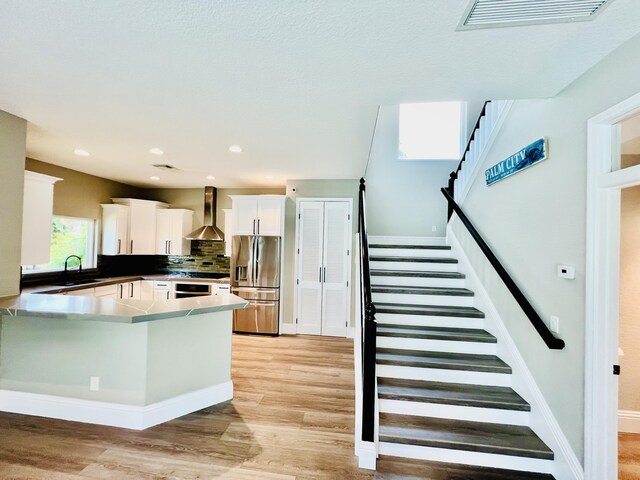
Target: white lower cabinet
x,y
162,290
129,290
146,290
323,267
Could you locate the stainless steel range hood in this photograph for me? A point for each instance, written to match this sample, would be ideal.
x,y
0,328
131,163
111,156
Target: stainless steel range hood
x,y
208,231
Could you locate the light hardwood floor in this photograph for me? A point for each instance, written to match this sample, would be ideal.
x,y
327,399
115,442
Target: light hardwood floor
x,y
628,456
291,419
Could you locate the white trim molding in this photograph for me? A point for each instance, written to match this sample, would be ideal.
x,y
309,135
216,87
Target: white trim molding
x,y
604,182
113,414
566,464
628,421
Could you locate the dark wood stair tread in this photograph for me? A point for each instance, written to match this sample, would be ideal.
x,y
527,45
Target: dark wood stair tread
x,y
503,398
417,274
377,258
464,435
436,333
429,310
399,289
397,468
411,247
441,360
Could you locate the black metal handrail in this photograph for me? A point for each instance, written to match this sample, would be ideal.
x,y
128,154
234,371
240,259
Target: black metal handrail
x,y
537,322
454,175
368,327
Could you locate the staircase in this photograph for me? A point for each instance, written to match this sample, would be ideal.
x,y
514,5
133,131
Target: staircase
x,y
443,393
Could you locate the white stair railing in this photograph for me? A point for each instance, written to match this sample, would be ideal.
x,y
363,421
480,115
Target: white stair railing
x,y
484,135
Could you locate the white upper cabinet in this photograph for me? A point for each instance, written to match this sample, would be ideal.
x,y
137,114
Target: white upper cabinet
x,y
171,228
258,214
135,217
36,219
115,229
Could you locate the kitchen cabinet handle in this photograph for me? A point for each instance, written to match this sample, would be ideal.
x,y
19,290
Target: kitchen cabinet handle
x,y
119,245
131,251
258,226
254,226
131,290
324,275
167,294
166,247
169,252
320,275
121,290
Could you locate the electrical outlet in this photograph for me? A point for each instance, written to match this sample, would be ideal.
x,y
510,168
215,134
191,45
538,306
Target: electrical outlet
x,y
434,228
94,384
566,271
554,324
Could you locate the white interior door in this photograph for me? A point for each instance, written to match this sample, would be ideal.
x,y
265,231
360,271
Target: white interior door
x,y
309,286
335,269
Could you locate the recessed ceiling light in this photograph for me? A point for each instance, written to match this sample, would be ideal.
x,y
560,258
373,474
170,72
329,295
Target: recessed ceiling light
x,y
210,177
154,178
269,177
235,149
156,151
81,153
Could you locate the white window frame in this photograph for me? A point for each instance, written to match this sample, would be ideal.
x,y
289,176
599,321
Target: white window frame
x,y
92,247
464,136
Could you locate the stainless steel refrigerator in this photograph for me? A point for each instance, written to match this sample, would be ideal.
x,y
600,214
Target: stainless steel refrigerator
x,y
255,276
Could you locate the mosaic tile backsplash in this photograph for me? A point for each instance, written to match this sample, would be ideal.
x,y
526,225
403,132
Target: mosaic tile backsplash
x,y
206,257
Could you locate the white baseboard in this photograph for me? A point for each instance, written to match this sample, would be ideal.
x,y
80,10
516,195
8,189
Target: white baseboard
x,y
288,329
542,420
113,414
628,421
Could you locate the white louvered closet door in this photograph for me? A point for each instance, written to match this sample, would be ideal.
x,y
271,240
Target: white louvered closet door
x,y
335,269
309,298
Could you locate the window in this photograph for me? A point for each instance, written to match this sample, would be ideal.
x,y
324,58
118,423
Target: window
x,y
432,131
69,236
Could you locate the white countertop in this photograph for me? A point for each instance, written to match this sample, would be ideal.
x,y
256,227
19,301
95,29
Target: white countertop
x,y
113,310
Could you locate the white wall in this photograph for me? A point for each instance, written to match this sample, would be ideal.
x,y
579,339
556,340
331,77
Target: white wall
x,y
309,189
403,196
535,220
13,137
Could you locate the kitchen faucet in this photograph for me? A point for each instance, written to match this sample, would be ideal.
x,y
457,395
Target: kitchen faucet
x,y
67,261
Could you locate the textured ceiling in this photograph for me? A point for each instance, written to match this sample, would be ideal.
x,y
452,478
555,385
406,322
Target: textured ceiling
x,y
294,82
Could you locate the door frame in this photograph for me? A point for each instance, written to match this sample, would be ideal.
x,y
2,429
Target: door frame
x,y
292,328
602,286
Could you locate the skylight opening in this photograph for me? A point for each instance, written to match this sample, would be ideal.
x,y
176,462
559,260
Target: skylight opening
x,y
431,131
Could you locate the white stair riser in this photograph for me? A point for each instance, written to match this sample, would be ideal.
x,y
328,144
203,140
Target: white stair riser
x,y
418,281
425,345
393,240
522,464
410,252
455,412
444,375
409,299
429,320
414,266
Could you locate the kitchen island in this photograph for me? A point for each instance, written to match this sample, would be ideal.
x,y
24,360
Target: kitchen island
x,y
125,363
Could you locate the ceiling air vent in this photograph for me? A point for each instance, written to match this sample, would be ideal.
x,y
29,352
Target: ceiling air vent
x,y
510,13
164,166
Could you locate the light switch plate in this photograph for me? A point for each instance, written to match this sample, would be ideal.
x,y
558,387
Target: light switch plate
x,y
434,228
94,384
566,271
554,324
